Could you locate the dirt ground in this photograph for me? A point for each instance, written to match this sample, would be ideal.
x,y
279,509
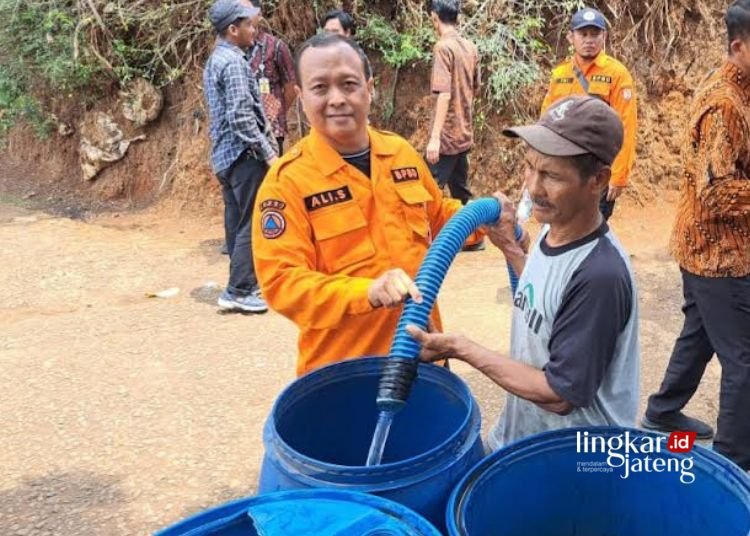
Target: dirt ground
x,y
122,413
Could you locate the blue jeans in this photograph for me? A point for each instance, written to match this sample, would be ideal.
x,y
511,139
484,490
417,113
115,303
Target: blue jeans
x,y
239,185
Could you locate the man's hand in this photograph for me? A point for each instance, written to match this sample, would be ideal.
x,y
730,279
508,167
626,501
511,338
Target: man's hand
x,y
392,288
614,192
525,241
435,346
433,151
503,233
271,161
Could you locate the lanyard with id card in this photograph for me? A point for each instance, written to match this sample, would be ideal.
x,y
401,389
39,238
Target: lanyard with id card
x,y
264,84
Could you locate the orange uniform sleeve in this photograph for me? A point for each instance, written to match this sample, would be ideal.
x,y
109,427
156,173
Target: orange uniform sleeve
x,y
623,100
724,188
285,261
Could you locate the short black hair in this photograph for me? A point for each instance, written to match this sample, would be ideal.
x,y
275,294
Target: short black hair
x,y
587,165
346,20
446,10
255,3
323,40
737,20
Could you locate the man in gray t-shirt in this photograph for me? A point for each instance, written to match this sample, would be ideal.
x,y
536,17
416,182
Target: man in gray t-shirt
x,y
574,358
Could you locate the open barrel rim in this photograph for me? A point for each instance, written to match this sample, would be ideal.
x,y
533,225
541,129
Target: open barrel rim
x,y
230,510
388,475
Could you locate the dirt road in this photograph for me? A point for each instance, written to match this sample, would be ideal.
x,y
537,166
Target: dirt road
x,y
122,413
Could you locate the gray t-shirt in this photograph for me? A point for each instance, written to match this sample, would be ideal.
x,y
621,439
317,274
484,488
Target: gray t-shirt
x,y
575,317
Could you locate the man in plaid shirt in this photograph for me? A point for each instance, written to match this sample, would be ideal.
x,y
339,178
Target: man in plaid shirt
x,y
242,146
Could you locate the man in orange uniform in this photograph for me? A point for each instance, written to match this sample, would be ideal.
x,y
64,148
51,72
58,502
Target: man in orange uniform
x,y
345,218
591,71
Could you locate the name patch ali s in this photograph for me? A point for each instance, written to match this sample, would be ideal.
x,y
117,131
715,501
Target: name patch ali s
x,y
328,198
563,80
405,174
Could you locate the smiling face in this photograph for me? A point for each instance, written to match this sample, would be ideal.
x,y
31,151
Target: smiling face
x,y
336,95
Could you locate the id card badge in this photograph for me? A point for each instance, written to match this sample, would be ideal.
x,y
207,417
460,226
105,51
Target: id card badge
x,y
264,85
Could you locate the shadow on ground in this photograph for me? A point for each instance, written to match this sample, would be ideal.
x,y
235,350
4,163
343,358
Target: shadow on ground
x,y
64,503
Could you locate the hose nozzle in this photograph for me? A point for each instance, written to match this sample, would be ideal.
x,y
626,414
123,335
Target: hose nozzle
x,y
395,384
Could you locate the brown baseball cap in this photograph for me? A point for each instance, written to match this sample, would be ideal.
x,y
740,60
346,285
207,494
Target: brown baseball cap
x,y
575,126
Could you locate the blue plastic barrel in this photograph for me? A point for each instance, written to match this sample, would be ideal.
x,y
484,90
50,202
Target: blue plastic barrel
x,y
305,513
543,486
320,427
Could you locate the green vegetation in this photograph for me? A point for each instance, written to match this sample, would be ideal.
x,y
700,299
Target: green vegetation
x,y
52,49
56,49
510,37
398,47
38,53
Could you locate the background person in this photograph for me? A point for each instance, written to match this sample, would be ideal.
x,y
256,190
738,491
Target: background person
x,y
590,71
240,150
273,67
711,243
455,84
339,22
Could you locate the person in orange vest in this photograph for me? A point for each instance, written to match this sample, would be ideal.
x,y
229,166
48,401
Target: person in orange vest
x,y
591,71
345,218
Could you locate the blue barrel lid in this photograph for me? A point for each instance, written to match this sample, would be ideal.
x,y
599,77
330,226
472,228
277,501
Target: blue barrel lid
x,y
322,512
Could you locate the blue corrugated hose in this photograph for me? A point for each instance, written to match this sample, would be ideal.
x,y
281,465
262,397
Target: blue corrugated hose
x,y
435,266
401,367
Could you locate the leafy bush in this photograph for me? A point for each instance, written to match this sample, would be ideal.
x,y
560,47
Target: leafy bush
x,y
509,36
398,47
38,51
68,47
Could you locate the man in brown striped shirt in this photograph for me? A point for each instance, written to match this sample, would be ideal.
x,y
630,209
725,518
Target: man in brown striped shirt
x,y
711,243
455,82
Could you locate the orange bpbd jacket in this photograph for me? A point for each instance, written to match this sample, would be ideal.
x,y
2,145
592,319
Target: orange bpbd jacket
x,y
609,80
323,231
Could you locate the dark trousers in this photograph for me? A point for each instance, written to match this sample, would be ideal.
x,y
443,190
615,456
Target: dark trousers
x,y
717,320
606,207
239,185
453,170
